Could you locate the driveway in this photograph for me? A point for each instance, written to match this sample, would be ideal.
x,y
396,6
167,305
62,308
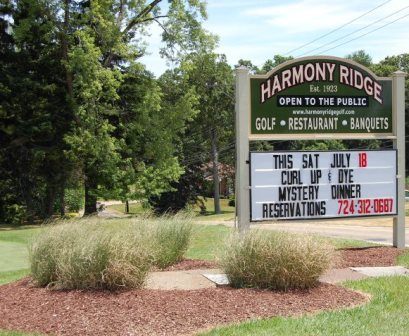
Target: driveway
x,y
375,229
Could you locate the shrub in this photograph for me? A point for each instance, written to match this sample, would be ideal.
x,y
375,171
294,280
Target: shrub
x,y
170,238
74,199
85,254
275,260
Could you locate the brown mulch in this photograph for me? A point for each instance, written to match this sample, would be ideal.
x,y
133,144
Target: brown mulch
x,y
191,264
156,312
368,256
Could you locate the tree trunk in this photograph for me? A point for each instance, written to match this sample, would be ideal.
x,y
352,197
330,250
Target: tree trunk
x,y
64,43
49,206
127,206
62,201
216,182
90,196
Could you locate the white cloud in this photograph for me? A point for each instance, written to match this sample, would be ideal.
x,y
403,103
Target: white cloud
x,y
305,15
259,29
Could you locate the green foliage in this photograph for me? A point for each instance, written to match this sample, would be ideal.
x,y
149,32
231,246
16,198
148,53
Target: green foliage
x,y
74,199
275,260
86,255
208,136
361,57
82,114
318,145
272,63
34,112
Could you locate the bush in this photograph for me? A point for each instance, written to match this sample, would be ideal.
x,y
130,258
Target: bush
x,y
84,254
275,260
170,237
74,199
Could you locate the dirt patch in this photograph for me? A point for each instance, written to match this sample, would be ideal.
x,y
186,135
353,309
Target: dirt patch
x,y
156,312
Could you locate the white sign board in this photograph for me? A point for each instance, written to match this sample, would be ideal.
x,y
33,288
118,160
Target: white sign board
x,y
306,185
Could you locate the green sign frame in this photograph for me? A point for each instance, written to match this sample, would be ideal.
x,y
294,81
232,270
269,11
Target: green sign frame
x,y
320,95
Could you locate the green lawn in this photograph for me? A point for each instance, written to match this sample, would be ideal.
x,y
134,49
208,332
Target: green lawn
x,y
14,256
14,260
386,314
227,212
135,208
13,252
206,241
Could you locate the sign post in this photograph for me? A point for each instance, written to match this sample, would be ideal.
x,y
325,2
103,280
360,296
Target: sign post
x,y
242,148
322,98
398,106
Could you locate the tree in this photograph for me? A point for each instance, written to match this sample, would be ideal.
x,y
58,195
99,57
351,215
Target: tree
x,y
102,58
272,63
361,57
35,120
386,67
212,79
247,64
74,63
179,95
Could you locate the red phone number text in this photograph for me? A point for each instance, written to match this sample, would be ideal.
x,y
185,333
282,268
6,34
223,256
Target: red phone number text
x,y
365,206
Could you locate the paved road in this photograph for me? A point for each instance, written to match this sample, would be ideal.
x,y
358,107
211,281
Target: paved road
x,y
379,231
375,229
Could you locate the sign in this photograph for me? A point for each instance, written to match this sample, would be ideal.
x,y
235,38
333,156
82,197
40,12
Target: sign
x,y
306,185
320,96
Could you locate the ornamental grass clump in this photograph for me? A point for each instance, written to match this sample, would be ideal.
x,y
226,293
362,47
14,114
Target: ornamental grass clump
x,y
87,255
170,237
275,260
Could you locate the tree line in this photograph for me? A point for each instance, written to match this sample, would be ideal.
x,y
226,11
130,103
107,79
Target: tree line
x,y
82,117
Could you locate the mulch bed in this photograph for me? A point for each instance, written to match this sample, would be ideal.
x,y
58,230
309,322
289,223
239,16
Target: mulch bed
x,y
156,312
368,256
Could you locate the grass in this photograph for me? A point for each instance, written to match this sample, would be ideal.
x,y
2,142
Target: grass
x,y
206,241
13,252
227,212
275,260
170,236
386,314
11,276
19,234
403,260
14,260
14,256
87,254
349,243
135,208
17,333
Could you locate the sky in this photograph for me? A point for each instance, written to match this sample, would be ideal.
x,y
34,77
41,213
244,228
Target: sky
x,y
256,30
